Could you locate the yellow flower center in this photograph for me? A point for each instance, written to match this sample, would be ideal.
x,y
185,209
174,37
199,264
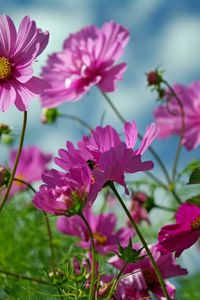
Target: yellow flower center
x,y
5,68
196,223
100,238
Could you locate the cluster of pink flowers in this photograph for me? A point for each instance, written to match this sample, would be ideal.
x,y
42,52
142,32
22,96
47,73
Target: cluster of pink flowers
x,y
140,278
99,159
89,58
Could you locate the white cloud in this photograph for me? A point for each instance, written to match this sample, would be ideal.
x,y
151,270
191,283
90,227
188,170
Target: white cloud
x,y
178,47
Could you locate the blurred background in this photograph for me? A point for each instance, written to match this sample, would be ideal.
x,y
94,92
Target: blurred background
x,y
163,33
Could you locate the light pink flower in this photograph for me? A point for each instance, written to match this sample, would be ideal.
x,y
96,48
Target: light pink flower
x,y
18,51
168,117
141,276
108,157
88,58
103,226
182,235
33,162
62,193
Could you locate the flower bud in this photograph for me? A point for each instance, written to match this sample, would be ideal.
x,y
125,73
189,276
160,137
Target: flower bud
x,y
4,176
7,139
154,78
4,129
49,115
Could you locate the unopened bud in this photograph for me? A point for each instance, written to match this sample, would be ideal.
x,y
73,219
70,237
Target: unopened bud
x,y
4,129
7,139
154,78
49,115
4,176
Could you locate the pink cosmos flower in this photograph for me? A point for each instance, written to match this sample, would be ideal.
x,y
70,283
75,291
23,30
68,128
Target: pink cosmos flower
x,y
182,235
140,276
138,210
88,58
18,50
106,237
108,157
63,193
33,162
168,117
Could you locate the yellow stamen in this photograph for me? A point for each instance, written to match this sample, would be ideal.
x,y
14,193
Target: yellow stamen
x,y
100,238
5,68
196,223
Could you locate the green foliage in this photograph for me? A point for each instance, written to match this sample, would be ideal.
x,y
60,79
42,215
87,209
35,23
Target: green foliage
x,y
194,200
25,251
189,288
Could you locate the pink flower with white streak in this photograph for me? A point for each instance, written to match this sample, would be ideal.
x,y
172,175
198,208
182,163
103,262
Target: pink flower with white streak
x,y
103,226
168,116
18,50
141,278
64,194
88,58
108,157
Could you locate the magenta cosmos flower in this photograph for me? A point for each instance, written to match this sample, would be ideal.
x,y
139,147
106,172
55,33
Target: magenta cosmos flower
x,y
168,117
140,276
103,226
64,194
108,157
182,235
18,50
88,58
33,162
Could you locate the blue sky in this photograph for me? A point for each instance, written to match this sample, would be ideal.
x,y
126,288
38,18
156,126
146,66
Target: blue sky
x,y
163,33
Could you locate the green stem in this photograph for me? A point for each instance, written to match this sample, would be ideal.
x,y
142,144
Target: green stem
x,y
24,277
151,150
76,119
182,130
50,242
164,207
16,161
115,282
93,273
25,183
140,236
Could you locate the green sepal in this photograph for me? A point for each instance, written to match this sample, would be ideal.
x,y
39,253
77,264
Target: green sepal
x,y
195,176
128,254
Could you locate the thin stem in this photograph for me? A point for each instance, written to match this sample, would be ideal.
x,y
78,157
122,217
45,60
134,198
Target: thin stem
x,y
151,150
115,282
50,242
76,119
47,224
164,207
25,183
182,130
16,161
156,179
24,277
140,236
93,273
